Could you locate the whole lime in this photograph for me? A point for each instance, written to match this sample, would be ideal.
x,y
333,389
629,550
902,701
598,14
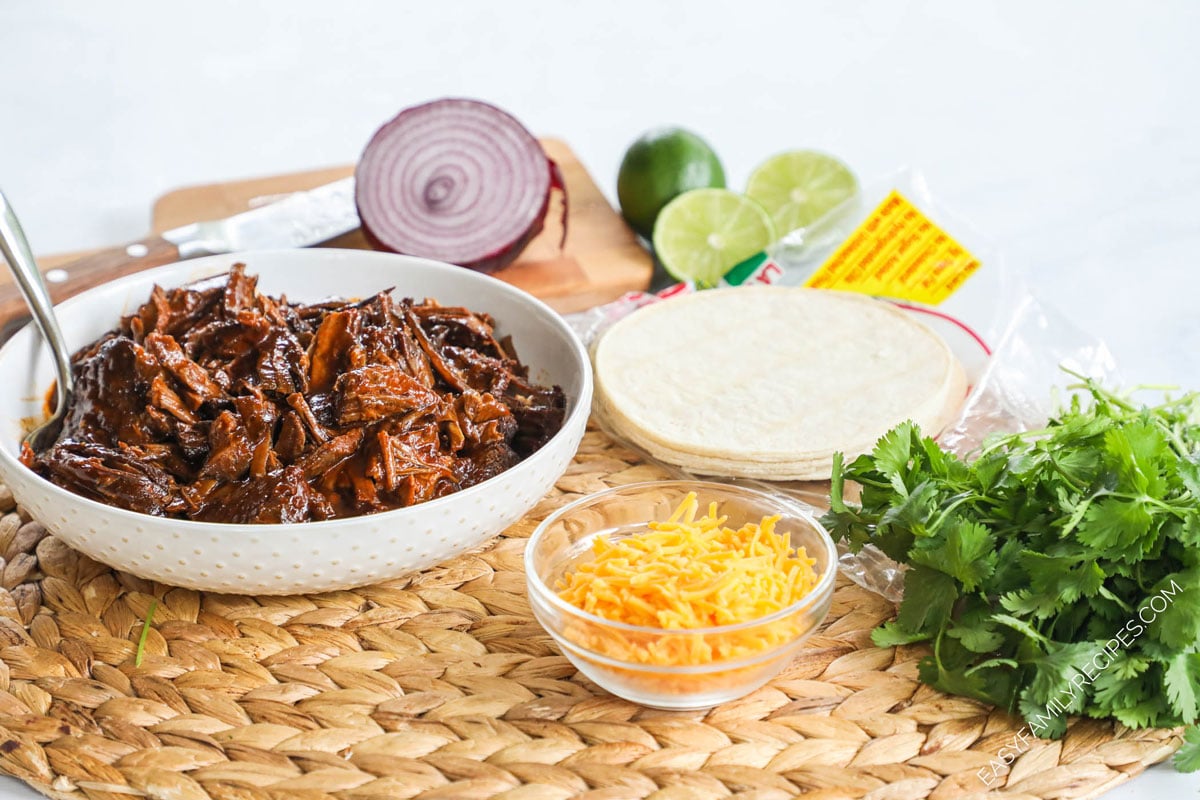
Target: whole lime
x,y
661,165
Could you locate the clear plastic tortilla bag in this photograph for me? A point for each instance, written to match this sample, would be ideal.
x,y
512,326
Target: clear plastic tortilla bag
x,y
1011,345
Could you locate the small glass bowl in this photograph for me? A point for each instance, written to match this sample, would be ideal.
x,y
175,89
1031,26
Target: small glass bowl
x,y
601,648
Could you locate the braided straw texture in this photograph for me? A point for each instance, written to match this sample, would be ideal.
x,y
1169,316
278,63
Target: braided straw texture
x,y
442,686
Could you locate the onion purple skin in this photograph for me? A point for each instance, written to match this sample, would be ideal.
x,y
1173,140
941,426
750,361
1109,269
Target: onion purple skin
x,y
505,253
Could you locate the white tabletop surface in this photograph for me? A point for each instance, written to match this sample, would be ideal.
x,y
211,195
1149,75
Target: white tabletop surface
x,y
1068,133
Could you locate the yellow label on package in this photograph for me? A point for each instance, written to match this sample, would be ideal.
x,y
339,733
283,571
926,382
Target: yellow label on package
x,y
897,252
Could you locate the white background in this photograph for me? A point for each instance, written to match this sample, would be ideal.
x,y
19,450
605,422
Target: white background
x,y
1068,133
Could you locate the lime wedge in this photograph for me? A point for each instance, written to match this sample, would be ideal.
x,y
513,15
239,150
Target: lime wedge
x,y
701,234
801,186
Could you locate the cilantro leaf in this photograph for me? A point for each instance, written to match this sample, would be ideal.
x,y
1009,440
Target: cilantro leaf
x,y
966,551
1137,450
892,453
1063,676
991,684
1188,532
938,462
1068,578
1078,465
837,485
889,634
929,598
1182,681
988,470
974,630
1178,625
1127,666
1112,692
1143,715
913,512
842,522
1027,603
1188,470
1115,526
1044,722
977,638
1187,757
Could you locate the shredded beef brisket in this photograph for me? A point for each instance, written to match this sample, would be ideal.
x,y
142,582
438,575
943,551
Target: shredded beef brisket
x,y
216,403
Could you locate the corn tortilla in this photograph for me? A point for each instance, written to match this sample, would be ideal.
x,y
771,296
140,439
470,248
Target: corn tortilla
x,y
771,381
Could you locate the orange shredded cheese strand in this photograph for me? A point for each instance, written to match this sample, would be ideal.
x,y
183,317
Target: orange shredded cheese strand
x,y
687,573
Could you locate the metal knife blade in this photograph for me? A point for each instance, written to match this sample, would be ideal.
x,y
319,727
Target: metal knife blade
x,y
297,220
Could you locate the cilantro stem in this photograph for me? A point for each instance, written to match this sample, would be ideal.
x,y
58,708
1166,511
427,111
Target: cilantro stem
x,y
1151,501
945,512
863,480
1008,440
1106,593
141,645
1077,517
1066,476
992,662
1181,449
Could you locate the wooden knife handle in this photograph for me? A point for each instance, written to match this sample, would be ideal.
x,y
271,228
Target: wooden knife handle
x,y
86,273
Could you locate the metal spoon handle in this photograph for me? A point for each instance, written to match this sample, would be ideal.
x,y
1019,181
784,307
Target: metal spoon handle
x,y
16,251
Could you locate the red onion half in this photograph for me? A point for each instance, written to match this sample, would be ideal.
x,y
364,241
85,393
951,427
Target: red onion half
x,y
455,180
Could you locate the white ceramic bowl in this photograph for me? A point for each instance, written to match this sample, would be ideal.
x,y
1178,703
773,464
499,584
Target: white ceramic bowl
x,y
313,556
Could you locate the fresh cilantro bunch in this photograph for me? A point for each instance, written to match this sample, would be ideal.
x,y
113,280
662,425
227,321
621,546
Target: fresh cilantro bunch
x,y
1056,573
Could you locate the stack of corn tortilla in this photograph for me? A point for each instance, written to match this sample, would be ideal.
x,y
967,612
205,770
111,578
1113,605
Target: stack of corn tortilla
x,y
769,382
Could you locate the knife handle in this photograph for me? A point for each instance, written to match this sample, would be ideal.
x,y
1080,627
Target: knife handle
x,y
85,273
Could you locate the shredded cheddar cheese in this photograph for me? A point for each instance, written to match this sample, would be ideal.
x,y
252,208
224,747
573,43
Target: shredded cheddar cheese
x,y
688,573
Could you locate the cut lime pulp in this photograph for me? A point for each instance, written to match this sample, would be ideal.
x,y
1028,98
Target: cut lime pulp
x,y
701,234
801,186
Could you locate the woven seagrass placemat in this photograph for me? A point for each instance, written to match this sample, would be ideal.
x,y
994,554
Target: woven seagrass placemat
x,y
443,686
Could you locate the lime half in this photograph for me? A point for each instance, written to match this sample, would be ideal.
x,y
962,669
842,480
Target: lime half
x,y
801,186
701,234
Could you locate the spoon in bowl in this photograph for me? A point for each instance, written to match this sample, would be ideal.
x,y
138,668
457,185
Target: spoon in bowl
x,y
15,248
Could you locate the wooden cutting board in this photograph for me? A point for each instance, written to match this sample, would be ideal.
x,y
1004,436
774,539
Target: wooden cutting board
x,y
600,261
